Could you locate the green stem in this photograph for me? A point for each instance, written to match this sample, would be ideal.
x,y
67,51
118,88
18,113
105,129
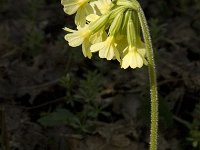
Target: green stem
x,y
152,78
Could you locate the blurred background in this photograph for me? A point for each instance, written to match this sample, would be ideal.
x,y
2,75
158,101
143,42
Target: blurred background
x,y
52,98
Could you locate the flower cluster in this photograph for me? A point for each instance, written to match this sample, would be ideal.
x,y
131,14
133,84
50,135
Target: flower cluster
x,y
109,27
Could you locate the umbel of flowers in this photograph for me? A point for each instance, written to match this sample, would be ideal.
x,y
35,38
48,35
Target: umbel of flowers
x,y
108,27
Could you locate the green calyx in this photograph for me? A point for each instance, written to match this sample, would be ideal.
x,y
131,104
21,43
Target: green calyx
x,y
116,24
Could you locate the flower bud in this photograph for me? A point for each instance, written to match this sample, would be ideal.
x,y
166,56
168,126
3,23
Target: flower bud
x,y
116,11
98,24
137,26
116,24
131,33
125,21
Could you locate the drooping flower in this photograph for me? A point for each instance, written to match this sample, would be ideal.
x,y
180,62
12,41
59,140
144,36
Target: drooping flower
x,y
132,58
87,35
82,7
78,37
82,13
103,5
134,55
107,49
71,6
98,36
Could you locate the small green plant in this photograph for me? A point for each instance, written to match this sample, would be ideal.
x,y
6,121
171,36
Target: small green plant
x,y
194,128
90,87
194,136
67,82
87,96
63,117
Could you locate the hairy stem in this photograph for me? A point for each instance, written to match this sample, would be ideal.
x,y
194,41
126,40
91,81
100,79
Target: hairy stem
x,y
152,78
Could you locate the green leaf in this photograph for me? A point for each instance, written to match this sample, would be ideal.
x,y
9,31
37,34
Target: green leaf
x,y
59,117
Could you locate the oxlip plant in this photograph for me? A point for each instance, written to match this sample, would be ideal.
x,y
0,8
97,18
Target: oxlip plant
x,y
116,29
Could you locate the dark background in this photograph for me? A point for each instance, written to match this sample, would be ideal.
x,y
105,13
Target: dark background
x,y
52,98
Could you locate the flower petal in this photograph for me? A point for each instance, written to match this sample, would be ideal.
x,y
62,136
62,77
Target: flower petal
x,y
86,48
70,6
137,60
107,52
92,17
80,18
74,39
132,59
97,46
82,13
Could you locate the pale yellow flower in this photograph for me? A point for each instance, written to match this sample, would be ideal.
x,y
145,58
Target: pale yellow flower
x,y
86,48
82,7
98,36
92,17
76,38
71,6
103,6
107,49
141,49
82,13
132,58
